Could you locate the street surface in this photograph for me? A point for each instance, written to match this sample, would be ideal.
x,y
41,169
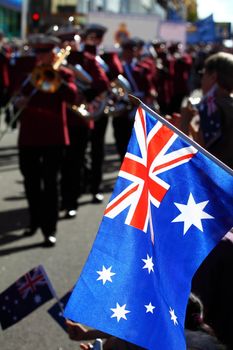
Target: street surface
x,y
62,263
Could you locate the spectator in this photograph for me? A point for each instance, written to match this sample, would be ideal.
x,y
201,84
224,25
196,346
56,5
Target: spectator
x,y
215,112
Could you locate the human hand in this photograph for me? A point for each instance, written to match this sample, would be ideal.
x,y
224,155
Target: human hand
x,y
75,330
85,346
187,115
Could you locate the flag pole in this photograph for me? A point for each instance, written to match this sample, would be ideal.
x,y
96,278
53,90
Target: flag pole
x,y
51,288
137,103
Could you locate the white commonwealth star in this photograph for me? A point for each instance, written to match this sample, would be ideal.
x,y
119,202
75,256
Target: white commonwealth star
x,y
173,316
120,312
37,299
105,275
149,308
148,264
192,213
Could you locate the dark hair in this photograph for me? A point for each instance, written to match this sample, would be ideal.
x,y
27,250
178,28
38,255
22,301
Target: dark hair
x,y
194,313
222,64
194,320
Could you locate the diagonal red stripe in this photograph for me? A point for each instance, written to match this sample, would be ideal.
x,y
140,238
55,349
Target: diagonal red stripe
x,y
121,199
174,161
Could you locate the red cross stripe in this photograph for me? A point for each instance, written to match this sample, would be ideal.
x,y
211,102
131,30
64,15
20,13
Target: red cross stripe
x,y
29,282
146,186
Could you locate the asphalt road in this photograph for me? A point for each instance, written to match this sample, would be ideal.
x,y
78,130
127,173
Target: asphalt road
x,y
62,263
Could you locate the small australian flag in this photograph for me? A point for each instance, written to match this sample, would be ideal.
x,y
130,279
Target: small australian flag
x,y
24,296
56,311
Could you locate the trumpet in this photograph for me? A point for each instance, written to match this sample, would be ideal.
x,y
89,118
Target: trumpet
x,y
44,78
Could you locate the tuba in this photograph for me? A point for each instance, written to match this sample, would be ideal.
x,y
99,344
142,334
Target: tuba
x,y
113,103
118,101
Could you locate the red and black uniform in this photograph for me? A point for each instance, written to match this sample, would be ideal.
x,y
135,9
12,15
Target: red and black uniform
x,y
144,74
43,133
74,174
181,64
122,125
5,54
100,84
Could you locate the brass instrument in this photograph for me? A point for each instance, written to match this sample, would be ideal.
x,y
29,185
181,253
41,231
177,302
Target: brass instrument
x,y
44,78
118,101
113,103
87,110
91,110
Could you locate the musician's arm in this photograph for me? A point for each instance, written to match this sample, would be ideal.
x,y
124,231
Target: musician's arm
x,y
68,89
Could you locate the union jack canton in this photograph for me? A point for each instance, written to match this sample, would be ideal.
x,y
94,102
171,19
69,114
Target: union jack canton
x,y
24,296
171,204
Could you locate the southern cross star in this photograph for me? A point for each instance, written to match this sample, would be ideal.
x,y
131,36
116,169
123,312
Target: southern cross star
x,y
149,308
192,213
120,312
148,264
37,299
173,316
105,275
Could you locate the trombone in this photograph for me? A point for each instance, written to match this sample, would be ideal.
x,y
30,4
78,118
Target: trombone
x,y
44,78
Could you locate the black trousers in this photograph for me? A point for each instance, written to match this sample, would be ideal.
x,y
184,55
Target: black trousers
x,y
122,129
40,168
73,170
97,153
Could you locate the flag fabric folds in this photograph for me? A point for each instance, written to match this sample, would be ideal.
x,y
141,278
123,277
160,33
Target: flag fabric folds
x,y
170,206
203,31
24,296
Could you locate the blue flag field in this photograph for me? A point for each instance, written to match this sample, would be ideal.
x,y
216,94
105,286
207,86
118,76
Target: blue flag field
x,y
172,203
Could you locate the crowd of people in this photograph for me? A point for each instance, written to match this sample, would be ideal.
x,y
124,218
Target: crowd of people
x,y
66,89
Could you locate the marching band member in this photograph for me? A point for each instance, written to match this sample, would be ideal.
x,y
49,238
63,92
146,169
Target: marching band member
x,y
92,37
75,173
5,54
42,136
72,169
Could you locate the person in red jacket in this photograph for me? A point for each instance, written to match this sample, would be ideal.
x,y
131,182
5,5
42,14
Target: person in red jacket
x,y
42,135
5,53
91,38
92,82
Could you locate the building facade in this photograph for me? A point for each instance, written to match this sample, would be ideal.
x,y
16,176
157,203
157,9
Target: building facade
x,y
121,6
10,17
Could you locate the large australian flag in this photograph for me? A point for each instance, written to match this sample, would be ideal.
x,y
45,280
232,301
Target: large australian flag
x,y
24,296
172,203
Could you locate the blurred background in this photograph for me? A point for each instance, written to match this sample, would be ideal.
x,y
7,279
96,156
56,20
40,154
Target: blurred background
x,y
18,18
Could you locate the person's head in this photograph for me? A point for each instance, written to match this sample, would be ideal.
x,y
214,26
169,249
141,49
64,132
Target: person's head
x,y
194,319
69,36
128,49
218,69
44,47
194,313
93,34
139,46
